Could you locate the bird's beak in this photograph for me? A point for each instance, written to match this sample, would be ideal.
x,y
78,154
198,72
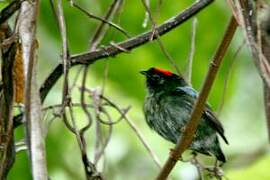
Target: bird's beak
x,y
144,73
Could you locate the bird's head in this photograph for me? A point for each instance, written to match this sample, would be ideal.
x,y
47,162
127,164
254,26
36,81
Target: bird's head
x,y
159,79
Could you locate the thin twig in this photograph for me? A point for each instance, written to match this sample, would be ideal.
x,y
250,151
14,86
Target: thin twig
x,y
102,19
142,139
131,124
186,137
100,145
159,3
146,16
76,78
192,50
66,99
101,29
99,137
98,36
136,130
234,10
227,77
162,47
65,52
88,166
83,104
51,107
8,11
7,42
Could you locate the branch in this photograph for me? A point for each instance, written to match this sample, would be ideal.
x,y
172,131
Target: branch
x,y
248,24
108,51
135,129
7,148
144,142
192,51
8,11
186,137
162,47
256,28
228,76
33,115
101,19
101,29
264,28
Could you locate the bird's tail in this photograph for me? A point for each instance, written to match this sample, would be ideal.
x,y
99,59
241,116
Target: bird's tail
x,y
220,155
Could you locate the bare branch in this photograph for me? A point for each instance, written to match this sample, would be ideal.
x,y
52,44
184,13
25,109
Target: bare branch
x,y
234,10
247,17
144,142
136,130
227,77
146,16
83,104
8,11
7,149
101,29
263,29
192,50
101,19
33,114
162,47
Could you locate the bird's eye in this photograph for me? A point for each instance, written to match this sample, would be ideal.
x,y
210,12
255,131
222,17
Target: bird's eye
x,y
158,79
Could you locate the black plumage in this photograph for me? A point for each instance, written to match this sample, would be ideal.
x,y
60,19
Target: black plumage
x,y
168,107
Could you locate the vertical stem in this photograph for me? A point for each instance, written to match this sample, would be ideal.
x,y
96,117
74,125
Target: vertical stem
x,y
7,149
33,115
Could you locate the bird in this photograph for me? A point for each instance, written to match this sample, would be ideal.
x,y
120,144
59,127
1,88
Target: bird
x,y
167,109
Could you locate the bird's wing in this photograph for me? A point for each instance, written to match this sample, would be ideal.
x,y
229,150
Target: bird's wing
x,y
214,122
187,90
208,113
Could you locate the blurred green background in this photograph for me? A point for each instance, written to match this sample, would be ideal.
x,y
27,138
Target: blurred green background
x,y
126,158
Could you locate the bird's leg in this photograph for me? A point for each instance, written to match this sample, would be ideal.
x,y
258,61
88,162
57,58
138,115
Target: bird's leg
x,y
215,171
217,164
197,164
218,173
194,159
173,156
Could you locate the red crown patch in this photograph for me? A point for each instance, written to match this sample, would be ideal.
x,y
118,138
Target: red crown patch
x,y
163,71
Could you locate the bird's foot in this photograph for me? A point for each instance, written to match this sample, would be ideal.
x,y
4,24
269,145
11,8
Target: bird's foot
x,y
174,155
215,171
194,159
219,164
